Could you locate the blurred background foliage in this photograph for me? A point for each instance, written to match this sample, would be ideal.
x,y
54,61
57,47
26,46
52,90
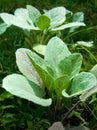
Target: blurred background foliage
x,y
16,113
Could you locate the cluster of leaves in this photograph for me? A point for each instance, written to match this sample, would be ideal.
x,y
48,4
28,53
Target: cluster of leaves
x,y
46,83
49,73
50,20
52,73
48,23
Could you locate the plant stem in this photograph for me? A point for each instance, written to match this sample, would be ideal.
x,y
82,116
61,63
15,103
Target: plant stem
x,y
52,113
58,104
44,32
67,114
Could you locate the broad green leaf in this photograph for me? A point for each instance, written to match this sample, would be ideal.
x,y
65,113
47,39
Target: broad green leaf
x,y
45,72
23,15
24,88
10,19
69,25
57,16
77,17
35,59
59,126
43,22
94,70
34,13
56,51
7,18
3,28
65,94
70,65
26,67
82,82
23,24
40,49
88,93
61,83
56,126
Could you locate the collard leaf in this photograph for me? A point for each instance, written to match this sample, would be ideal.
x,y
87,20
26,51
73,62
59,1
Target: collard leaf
x,y
35,59
24,88
59,126
43,22
61,60
34,13
77,17
3,28
56,126
23,24
44,70
17,20
40,49
7,18
56,51
94,70
23,15
57,16
26,67
82,82
88,93
61,83
65,94
69,25
70,65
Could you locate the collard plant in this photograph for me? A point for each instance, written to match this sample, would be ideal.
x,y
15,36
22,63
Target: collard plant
x,y
31,18
47,81
39,27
